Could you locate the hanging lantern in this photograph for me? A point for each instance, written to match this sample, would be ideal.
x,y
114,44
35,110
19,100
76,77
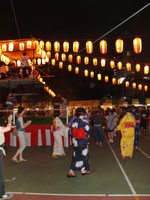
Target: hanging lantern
x,y
63,57
76,70
29,44
56,56
137,45
39,61
53,62
113,81
0,51
127,84
11,46
99,77
119,81
43,61
145,88
119,65
48,46
134,85
95,61
43,54
128,67
112,64
48,53
78,59
138,67
140,86
42,44
34,61
86,72
106,79
69,68
21,46
18,63
56,46
103,47
89,47
119,46
35,44
92,74
46,59
70,58
75,46
103,62
60,65
4,47
66,46
86,60
146,69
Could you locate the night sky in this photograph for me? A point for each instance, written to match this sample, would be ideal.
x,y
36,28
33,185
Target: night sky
x,y
76,20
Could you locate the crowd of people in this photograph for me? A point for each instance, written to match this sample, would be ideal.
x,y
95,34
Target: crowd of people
x,y
12,71
127,121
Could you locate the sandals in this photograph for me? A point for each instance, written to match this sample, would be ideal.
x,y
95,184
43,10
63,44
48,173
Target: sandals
x,y
85,173
15,160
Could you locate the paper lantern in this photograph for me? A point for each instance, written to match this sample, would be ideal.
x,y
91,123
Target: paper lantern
x,y
119,81
76,70
48,46
86,72
92,74
99,77
35,44
70,58
112,64
103,62
146,69
78,59
140,86
119,65
113,81
138,67
42,44
53,62
128,67
86,60
134,85
21,46
4,47
106,79
43,61
34,61
56,46
69,68
60,65
119,46
29,44
11,46
127,84
43,54
137,45
56,56
18,63
95,61
66,46
103,47
89,47
75,46
39,61
63,57
48,54
145,88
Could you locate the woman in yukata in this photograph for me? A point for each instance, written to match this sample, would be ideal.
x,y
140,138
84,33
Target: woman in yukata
x,y
80,140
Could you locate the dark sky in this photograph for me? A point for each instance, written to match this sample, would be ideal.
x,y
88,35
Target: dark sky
x,y
76,20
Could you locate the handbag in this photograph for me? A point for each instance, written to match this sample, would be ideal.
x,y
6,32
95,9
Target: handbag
x,y
15,132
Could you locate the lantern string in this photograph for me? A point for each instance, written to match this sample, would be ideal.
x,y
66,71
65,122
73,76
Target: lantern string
x,y
111,30
15,19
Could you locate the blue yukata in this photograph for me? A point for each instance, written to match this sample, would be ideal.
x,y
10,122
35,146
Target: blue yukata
x,y
137,128
80,140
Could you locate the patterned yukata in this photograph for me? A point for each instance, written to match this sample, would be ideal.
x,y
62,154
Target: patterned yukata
x,y
80,139
126,126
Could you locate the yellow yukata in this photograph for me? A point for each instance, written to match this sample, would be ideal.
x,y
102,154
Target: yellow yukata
x,y
126,126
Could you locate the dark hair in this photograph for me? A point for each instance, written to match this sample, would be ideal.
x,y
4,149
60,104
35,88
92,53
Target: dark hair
x,y
80,111
20,109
